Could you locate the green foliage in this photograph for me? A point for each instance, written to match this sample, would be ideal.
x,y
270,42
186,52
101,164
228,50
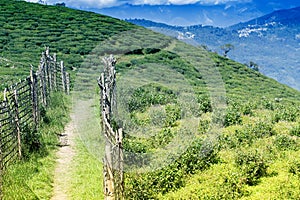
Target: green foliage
x,y
205,103
173,113
32,177
233,116
199,156
295,130
252,164
294,167
285,142
232,187
204,125
27,28
247,134
286,113
150,94
86,175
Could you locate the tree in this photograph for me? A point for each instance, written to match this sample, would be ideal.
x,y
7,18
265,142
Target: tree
x,y
226,48
254,66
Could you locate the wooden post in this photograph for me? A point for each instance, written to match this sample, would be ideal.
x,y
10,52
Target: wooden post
x,y
33,97
113,161
63,76
17,122
120,169
4,95
54,73
43,80
67,83
48,72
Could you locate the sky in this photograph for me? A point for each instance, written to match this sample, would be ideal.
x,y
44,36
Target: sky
x,y
219,13
85,4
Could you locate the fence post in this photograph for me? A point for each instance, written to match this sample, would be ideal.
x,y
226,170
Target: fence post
x,y
33,97
17,121
63,76
43,80
4,94
68,83
48,71
113,160
54,72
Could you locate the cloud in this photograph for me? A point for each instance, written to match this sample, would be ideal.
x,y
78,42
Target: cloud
x,y
184,2
84,4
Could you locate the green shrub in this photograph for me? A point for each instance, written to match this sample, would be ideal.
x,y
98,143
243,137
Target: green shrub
x,y
295,130
247,108
232,187
135,153
285,142
286,113
261,129
200,155
294,167
204,125
173,113
232,117
150,94
163,137
204,103
252,164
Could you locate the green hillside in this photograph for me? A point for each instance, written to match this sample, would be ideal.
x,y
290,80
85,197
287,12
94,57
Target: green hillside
x,y
196,125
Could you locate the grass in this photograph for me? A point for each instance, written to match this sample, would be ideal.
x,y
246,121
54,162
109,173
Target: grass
x,y
32,177
87,175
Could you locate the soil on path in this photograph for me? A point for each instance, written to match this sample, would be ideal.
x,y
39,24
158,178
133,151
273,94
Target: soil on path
x,y
65,155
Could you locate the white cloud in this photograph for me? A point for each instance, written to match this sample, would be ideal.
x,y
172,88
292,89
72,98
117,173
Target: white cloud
x,y
83,4
91,3
183,2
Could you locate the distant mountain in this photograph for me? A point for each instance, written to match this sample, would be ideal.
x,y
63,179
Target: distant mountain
x,y
218,15
271,41
284,17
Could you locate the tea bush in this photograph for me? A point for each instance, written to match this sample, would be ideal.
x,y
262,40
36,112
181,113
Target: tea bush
x,y
252,164
294,167
285,142
295,130
173,113
233,116
150,94
199,156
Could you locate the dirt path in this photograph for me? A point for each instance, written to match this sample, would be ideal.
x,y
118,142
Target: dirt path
x,y
65,155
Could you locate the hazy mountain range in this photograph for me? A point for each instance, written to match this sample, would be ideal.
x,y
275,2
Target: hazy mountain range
x,y
220,13
216,14
271,41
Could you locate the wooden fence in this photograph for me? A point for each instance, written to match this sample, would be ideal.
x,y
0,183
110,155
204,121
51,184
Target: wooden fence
x,y
22,103
113,160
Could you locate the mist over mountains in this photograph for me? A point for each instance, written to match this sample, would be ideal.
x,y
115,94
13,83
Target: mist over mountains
x,y
271,41
217,13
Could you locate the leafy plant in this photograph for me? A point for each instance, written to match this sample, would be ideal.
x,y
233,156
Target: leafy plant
x,y
294,167
285,142
252,164
295,130
233,116
150,94
173,113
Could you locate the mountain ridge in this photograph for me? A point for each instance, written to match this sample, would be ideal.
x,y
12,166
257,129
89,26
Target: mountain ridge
x,y
262,35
